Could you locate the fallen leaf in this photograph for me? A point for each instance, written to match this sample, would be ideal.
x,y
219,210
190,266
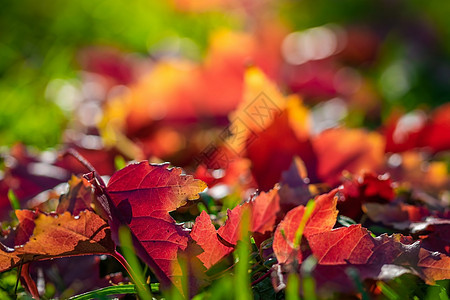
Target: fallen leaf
x,y
383,257
204,233
366,188
400,216
143,195
322,219
434,265
42,236
78,198
353,150
217,244
264,210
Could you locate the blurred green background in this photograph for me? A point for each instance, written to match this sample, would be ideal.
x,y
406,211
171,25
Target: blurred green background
x,y
40,40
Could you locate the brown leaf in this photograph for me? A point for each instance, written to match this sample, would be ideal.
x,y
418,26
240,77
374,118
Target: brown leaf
x,y
78,198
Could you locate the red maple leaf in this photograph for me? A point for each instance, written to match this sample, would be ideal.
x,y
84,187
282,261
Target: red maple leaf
x,y
322,219
217,244
377,257
142,196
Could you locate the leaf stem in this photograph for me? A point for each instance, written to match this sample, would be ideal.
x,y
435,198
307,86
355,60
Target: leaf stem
x,y
267,274
27,281
80,158
138,283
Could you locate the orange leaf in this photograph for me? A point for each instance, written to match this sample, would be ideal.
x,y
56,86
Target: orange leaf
x,y
349,150
434,265
54,236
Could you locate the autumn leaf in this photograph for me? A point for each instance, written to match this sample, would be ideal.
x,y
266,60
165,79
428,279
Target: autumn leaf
x,y
434,265
78,198
353,150
400,216
355,245
42,236
322,219
264,209
227,235
142,196
366,188
372,256
217,244
205,235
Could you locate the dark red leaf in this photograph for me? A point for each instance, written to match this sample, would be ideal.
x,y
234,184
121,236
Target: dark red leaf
x,y
383,257
363,189
272,152
142,196
435,234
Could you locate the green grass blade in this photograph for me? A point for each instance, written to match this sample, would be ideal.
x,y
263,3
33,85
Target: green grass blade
x,y
299,233
388,291
242,278
15,204
135,269
107,291
292,287
119,162
309,283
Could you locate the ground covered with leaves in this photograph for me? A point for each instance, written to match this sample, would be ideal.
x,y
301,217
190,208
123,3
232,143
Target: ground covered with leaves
x,y
266,156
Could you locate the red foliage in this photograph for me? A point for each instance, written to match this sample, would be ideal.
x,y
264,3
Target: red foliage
x,y
322,219
142,196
